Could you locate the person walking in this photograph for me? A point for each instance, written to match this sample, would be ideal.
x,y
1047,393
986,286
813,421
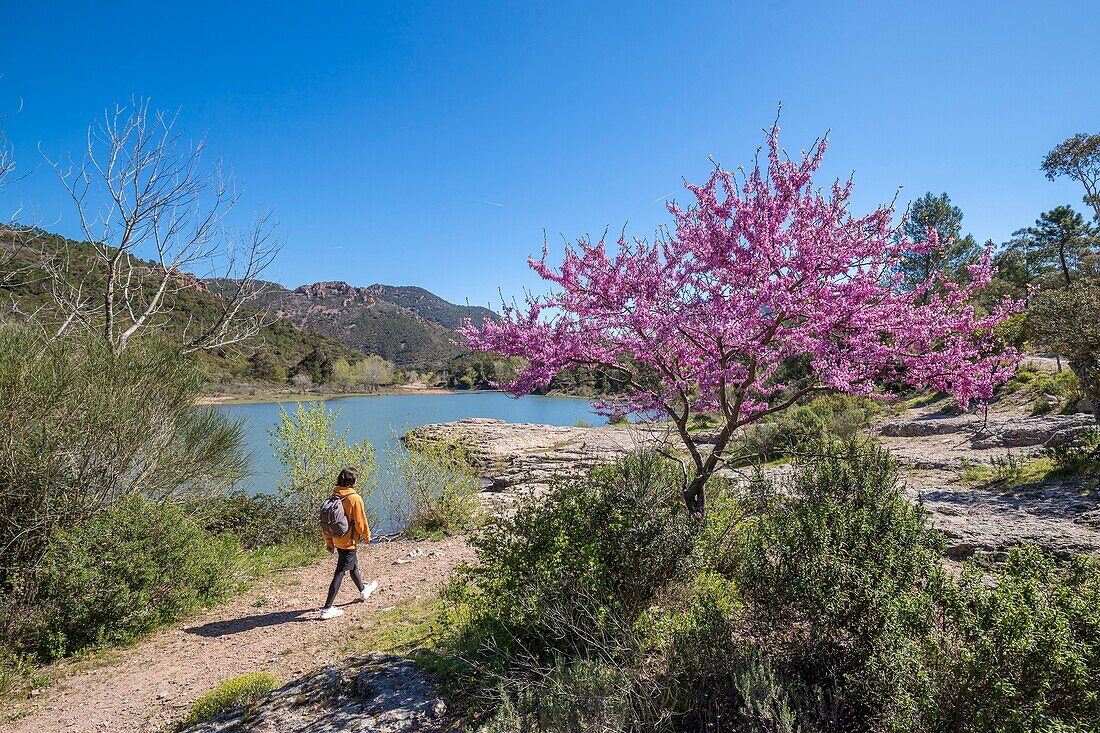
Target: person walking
x,y
344,525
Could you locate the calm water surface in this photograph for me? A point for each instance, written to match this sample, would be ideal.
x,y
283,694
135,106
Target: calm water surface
x,y
380,419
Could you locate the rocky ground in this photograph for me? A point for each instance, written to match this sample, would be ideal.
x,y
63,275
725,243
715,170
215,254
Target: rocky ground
x,y
933,445
376,693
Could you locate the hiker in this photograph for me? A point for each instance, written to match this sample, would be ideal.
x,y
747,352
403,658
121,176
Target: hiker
x,y
344,525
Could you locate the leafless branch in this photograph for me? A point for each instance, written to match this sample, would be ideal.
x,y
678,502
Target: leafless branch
x,y
152,215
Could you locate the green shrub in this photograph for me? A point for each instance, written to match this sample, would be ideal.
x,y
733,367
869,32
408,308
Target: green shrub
x,y
1063,386
807,426
566,581
439,486
123,572
1079,456
313,452
840,584
1023,647
84,428
233,693
254,520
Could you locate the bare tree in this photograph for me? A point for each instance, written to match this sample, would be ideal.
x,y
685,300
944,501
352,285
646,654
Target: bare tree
x,y
153,216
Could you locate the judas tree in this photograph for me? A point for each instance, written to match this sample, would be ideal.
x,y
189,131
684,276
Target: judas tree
x,y
761,270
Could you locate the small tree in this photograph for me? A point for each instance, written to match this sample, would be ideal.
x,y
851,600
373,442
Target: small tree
x,y
313,452
317,365
1078,158
153,214
1060,240
755,274
373,372
1067,321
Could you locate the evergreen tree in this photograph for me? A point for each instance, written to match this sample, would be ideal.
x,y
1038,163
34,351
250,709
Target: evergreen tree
x,y
922,263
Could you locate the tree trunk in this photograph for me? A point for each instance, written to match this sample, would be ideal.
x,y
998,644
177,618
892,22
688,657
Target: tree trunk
x,y
694,496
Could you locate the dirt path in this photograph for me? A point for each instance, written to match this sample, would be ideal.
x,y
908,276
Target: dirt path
x,y
272,627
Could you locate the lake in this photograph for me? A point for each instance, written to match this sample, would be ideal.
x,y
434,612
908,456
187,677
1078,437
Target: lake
x,y
380,419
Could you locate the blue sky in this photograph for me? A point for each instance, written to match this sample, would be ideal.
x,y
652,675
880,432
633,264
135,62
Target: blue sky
x,y
433,144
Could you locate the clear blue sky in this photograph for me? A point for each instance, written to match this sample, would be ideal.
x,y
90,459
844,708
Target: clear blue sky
x,y
431,144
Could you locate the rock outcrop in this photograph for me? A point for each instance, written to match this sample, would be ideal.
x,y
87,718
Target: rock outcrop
x,y
518,458
378,693
935,451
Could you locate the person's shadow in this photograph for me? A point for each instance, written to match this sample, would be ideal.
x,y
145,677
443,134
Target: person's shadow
x,y
227,627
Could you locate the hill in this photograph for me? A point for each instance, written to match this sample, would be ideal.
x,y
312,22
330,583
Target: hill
x,y
406,325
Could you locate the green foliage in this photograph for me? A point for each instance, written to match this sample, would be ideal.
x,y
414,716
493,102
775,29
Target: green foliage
x,y
264,366
479,370
1079,456
117,575
1058,243
560,589
805,427
85,428
233,693
1023,652
318,365
1067,322
312,452
824,606
369,373
439,484
956,252
1063,386
254,520
840,585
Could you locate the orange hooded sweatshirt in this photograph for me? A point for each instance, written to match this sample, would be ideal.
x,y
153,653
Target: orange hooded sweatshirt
x,y
358,529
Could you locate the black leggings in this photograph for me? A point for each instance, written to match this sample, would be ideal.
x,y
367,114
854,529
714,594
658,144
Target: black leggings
x,y
345,561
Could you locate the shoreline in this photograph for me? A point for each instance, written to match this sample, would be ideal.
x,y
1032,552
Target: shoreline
x,y
268,396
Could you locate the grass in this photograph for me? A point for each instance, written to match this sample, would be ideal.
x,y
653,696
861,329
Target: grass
x,y
1008,472
263,561
233,693
409,626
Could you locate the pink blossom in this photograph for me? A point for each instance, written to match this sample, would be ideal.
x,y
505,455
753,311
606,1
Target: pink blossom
x,y
753,275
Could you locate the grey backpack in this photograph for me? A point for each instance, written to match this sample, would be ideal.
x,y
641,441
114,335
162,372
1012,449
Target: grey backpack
x,y
334,520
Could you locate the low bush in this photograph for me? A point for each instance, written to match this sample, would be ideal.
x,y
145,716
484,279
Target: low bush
x,y
438,484
1079,456
804,427
820,605
840,585
1063,386
254,520
1022,648
562,586
121,573
233,693
313,451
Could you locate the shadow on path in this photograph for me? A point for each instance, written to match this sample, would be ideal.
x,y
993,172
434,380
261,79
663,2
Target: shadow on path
x,y
215,629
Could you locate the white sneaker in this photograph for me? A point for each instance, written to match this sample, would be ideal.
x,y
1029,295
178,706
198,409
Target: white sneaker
x,y
369,588
331,612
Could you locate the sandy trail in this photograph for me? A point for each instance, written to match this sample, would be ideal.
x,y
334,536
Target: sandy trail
x,y
271,627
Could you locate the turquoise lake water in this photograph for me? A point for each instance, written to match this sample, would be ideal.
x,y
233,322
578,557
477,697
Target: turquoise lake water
x,y
379,419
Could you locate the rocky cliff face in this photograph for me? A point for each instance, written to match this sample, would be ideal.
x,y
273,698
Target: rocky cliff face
x,y
407,325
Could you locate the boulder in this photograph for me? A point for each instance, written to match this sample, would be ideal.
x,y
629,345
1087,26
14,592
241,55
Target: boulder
x,y
378,693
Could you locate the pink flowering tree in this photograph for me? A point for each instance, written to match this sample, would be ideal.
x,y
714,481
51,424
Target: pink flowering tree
x,y
761,268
